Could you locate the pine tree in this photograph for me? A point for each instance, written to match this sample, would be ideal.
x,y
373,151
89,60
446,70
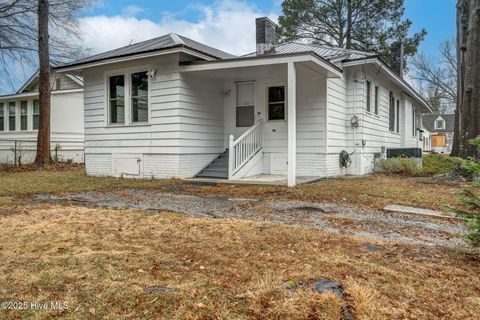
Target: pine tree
x,y
369,25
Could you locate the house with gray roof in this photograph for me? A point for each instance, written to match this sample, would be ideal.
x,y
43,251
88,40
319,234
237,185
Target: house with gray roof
x,y
286,113
439,131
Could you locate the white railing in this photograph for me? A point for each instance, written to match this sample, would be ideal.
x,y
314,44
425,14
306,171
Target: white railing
x,y
244,148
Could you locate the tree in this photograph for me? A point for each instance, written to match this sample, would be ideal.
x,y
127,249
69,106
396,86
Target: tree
x,y
467,117
368,25
438,78
25,37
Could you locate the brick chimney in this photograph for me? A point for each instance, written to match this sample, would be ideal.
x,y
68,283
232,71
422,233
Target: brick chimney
x,y
397,52
265,35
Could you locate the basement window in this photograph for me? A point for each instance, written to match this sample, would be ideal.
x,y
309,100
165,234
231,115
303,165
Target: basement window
x,y
276,103
117,99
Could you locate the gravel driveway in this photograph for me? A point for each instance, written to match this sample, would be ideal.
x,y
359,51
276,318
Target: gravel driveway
x,y
370,224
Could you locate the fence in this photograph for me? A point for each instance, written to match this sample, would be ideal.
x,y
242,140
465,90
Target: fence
x,y
18,152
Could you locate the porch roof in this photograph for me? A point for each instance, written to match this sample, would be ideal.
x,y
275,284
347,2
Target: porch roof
x,y
309,59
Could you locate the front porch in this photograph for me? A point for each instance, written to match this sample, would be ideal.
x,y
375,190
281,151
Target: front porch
x,y
274,118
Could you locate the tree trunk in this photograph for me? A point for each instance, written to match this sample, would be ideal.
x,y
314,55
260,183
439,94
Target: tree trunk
x,y
468,12
349,25
43,141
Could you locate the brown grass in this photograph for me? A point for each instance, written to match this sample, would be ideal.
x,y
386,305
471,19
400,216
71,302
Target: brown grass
x,y
100,261
373,191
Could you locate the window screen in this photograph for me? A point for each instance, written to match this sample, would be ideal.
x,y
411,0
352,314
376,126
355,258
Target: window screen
x,y
117,99
245,108
23,115
2,117
36,114
276,103
140,97
376,99
12,112
391,113
369,90
397,116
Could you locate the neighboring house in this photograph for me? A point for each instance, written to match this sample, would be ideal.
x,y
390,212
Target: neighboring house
x,y
19,120
440,129
173,107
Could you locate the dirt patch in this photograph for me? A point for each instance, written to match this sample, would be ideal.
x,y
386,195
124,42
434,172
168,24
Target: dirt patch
x,y
370,224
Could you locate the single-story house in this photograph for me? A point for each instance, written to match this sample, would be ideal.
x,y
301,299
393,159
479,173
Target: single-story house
x,y
19,120
439,130
174,107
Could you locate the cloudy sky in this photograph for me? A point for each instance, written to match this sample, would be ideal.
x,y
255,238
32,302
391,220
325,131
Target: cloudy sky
x,y
225,24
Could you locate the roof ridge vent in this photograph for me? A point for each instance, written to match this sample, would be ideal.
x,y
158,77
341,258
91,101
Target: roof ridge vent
x,y
176,38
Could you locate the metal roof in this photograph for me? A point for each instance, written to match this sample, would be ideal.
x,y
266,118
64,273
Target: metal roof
x,y
329,53
167,41
429,122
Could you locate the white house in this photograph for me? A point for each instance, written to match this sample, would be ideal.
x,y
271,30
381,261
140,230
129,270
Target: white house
x,y
19,119
173,107
439,130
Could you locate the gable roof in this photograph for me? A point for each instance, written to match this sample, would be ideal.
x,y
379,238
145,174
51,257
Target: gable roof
x,y
326,52
428,122
168,41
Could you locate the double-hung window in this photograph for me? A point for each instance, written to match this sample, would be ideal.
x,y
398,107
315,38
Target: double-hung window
x,y
245,108
397,116
414,122
116,99
377,97
276,103
36,114
2,117
369,93
12,116
391,112
139,97
128,98
23,116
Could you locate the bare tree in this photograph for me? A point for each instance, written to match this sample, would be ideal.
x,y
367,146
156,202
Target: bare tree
x,y
467,120
438,77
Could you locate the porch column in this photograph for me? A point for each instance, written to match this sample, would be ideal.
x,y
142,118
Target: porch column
x,y
292,124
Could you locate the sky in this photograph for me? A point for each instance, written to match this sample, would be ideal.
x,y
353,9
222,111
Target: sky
x,y
224,24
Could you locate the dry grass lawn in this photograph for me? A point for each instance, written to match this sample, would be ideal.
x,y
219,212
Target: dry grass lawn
x,y
373,191
101,261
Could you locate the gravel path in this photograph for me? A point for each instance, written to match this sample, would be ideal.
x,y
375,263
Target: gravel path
x,y
370,224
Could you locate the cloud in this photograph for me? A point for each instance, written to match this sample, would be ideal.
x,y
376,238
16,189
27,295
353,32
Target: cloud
x,y
228,25
132,10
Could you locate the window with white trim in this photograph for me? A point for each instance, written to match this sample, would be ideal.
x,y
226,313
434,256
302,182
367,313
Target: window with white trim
x,y
245,105
23,115
139,92
391,112
2,117
12,116
414,122
276,103
439,124
397,115
116,100
369,95
36,114
377,97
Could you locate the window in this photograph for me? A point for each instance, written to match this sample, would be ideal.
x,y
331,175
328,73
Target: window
x,y
276,103
376,99
2,117
245,108
397,115
369,93
140,97
414,122
12,112
36,114
391,113
439,124
23,115
117,99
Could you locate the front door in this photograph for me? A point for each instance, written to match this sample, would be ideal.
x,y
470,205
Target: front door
x,y
244,107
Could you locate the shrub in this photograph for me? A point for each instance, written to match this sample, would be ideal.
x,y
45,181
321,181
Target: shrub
x,y
439,164
405,166
470,199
